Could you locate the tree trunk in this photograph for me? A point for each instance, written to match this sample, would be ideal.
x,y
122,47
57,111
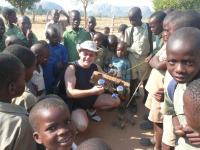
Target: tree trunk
x,y
21,10
85,15
33,16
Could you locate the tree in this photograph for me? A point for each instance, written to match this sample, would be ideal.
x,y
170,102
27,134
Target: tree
x,y
85,5
23,4
176,4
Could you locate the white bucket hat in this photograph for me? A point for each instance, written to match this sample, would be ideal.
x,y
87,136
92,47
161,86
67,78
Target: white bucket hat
x,y
88,45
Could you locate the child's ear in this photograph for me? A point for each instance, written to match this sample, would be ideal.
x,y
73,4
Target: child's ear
x,y
36,55
11,89
37,138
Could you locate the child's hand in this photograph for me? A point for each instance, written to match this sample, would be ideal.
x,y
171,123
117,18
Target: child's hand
x,y
115,73
178,130
159,95
97,90
148,58
111,65
193,136
29,34
60,65
61,12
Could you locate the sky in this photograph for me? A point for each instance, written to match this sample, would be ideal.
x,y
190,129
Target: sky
x,y
69,4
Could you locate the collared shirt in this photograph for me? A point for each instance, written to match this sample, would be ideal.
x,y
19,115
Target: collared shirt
x,y
140,45
16,132
11,31
2,43
100,60
121,64
59,53
26,100
60,26
24,39
71,38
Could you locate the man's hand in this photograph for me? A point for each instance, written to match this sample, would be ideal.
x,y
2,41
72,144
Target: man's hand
x,y
29,34
98,89
159,95
192,135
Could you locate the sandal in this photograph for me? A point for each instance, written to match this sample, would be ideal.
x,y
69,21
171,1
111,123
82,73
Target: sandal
x,y
147,125
146,142
145,117
94,116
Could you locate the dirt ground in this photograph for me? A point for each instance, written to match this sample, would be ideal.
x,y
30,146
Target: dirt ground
x,y
118,139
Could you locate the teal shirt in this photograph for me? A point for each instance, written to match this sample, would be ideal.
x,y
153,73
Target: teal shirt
x,y
25,41
2,43
11,31
71,39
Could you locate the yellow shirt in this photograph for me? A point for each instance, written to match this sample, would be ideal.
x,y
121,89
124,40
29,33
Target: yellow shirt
x,y
15,130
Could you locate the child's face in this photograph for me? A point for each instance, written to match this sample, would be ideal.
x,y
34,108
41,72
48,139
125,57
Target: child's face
x,y
42,58
56,129
183,61
75,20
24,24
135,19
54,38
121,50
166,34
112,46
29,71
13,17
87,57
91,23
156,27
55,16
98,40
106,31
2,28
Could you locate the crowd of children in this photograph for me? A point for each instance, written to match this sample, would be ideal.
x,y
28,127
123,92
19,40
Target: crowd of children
x,y
32,69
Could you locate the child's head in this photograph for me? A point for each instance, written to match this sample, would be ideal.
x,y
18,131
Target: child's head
x,y
55,15
91,23
24,24
106,30
135,16
156,22
10,15
122,28
13,39
98,39
112,43
183,53
26,56
53,35
2,27
168,10
75,19
94,144
52,124
41,53
121,49
12,77
191,101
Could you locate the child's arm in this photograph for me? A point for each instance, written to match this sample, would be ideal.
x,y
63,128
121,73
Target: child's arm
x,y
29,36
155,63
65,14
178,129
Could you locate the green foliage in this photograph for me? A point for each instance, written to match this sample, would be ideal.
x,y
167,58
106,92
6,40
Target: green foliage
x,y
176,4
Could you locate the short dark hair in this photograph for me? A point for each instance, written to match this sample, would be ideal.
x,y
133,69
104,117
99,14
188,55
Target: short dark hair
x,y
107,28
94,144
24,54
51,29
13,39
38,48
75,12
172,15
159,16
168,10
122,28
112,38
10,67
123,43
43,42
7,12
43,105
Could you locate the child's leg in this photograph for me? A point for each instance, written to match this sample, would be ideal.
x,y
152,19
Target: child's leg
x,y
158,130
80,119
145,91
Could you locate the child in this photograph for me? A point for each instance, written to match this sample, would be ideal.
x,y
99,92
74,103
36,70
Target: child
x,y
120,63
168,10
27,100
2,36
26,34
121,30
11,18
91,23
106,31
13,39
57,59
183,64
98,40
14,126
52,124
60,25
191,104
41,53
94,144
74,35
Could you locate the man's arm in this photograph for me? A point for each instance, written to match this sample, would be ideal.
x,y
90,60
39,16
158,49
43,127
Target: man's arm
x,y
70,82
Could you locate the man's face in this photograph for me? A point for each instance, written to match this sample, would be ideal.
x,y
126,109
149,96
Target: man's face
x,y
87,57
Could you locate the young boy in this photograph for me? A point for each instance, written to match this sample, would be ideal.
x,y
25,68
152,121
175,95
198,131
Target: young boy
x,y
121,30
120,63
2,36
52,124
183,64
106,34
57,59
11,18
91,23
14,125
60,25
13,39
42,54
74,35
26,34
106,31
27,99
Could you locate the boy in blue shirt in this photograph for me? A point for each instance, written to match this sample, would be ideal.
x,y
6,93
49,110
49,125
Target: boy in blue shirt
x,y
58,57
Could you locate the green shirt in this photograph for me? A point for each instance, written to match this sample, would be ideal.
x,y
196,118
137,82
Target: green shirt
x,y
11,31
25,41
71,39
2,43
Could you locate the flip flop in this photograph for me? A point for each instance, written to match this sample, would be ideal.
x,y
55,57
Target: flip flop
x,y
147,125
146,142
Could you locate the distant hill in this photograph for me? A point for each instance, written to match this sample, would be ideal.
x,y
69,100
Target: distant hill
x,y
49,5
